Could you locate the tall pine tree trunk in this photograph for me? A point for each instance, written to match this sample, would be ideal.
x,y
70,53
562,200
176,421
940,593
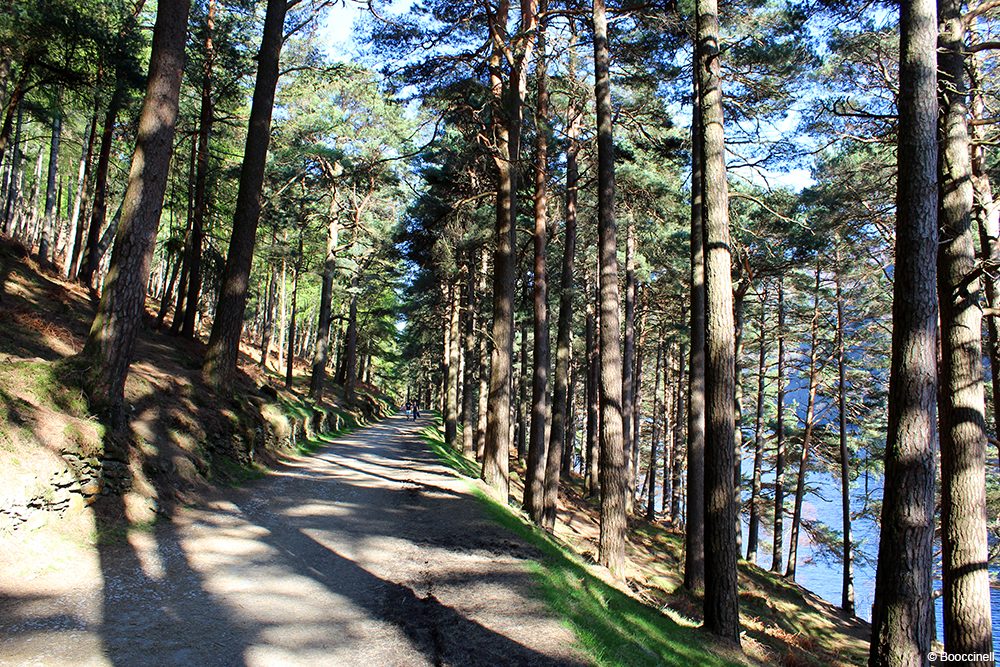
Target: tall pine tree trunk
x,y
965,552
901,617
800,484
110,343
753,529
223,350
318,378
628,363
658,413
847,588
205,120
453,346
593,396
484,364
496,446
694,533
46,246
778,534
562,397
471,361
676,460
721,555
534,488
80,201
614,484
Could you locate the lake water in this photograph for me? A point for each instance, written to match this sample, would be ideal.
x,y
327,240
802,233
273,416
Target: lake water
x,y
823,574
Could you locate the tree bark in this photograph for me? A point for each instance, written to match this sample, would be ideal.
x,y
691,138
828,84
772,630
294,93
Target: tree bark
x,y
180,308
45,248
847,588
98,214
628,361
901,616
469,350
965,551
351,344
633,458
110,343
73,250
205,119
721,601
561,394
454,343
753,529
694,534
496,446
14,187
800,484
290,361
658,413
614,485
593,398
318,378
534,488
676,460
267,331
484,365
223,350
777,550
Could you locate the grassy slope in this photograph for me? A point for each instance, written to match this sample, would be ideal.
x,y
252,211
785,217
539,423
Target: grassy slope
x,y
656,621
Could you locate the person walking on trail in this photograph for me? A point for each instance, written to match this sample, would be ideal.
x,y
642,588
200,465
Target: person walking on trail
x,y
406,411
416,411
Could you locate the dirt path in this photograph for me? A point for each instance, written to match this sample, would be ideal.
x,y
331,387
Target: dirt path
x,y
367,553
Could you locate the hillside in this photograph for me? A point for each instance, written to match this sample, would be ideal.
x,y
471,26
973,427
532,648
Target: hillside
x,y
60,462
783,623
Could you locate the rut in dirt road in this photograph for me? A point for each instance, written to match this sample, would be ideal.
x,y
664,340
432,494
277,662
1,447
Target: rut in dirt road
x,y
366,553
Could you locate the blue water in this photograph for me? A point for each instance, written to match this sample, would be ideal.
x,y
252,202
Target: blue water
x,y
822,573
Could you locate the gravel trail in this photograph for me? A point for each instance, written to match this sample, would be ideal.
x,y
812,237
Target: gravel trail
x,y
368,552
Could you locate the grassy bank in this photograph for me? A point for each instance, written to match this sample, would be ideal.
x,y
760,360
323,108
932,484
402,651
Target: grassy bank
x,y
611,626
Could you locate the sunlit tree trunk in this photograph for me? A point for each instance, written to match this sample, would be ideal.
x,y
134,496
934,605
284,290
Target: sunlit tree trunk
x,y
633,457
721,555
471,361
593,396
484,365
694,551
109,345
49,222
76,227
205,121
847,588
534,486
221,356
293,317
497,442
800,484
320,357
778,534
654,439
901,616
613,470
753,531
267,331
676,458
965,551
628,361
562,398
453,376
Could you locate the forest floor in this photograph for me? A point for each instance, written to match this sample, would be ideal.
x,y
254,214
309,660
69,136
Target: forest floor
x,y
367,552
650,618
